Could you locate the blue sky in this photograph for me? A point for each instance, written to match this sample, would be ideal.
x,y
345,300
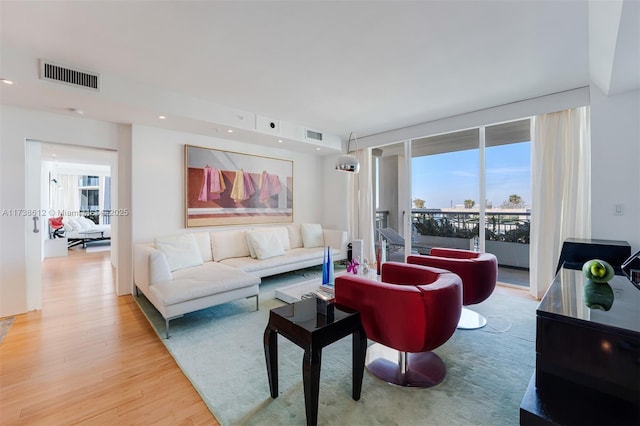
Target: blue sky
x,y
448,179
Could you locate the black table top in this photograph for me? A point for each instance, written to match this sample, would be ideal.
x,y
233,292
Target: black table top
x,y
566,298
304,314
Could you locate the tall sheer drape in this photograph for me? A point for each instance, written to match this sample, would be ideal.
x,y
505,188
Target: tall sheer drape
x,y
561,189
361,221
68,194
101,194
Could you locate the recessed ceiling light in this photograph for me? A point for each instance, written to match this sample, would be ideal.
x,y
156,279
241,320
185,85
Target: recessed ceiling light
x,y
162,117
317,149
5,81
279,140
229,130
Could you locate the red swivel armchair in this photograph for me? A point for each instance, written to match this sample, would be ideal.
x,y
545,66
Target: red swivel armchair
x,y
479,273
413,310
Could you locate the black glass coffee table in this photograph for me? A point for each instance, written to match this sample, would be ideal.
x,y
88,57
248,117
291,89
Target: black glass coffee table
x,y
301,324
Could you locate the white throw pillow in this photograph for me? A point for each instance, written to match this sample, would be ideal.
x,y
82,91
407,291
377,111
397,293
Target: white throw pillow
x,y
68,225
159,268
266,244
181,251
295,236
204,245
283,235
87,224
77,226
312,235
228,244
252,252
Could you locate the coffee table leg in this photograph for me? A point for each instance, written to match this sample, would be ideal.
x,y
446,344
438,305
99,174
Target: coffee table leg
x,y
311,379
359,352
271,356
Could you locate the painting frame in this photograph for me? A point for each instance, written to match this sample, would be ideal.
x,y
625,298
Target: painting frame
x,y
224,188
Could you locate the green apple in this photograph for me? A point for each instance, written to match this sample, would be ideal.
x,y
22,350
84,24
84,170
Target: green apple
x,y
598,270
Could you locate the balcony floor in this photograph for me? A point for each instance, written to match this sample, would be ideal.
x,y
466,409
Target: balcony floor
x,y
513,276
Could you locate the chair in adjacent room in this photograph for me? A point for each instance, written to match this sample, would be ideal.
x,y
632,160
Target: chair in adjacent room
x,y
56,227
411,311
479,274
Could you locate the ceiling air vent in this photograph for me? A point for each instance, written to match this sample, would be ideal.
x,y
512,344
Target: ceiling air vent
x,y
313,135
63,74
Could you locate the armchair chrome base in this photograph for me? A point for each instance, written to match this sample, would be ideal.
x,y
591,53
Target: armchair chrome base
x,y
419,370
470,320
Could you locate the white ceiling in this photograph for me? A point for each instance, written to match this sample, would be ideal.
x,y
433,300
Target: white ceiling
x,y
337,66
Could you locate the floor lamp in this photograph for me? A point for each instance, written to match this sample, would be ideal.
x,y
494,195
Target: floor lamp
x,y
350,164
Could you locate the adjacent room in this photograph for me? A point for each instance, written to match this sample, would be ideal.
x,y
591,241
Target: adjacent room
x,y
362,213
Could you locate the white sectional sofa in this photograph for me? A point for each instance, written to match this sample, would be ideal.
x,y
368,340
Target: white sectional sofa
x,y
195,270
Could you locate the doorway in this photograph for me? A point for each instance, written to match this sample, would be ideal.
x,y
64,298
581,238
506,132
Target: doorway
x,y
48,165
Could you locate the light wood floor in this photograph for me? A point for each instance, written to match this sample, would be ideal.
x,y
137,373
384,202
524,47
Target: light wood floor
x,y
90,357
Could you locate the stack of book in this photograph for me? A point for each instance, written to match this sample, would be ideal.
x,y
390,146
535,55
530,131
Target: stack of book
x,y
327,293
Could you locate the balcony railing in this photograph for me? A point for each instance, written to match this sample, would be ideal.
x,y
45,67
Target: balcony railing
x,y
456,228
510,225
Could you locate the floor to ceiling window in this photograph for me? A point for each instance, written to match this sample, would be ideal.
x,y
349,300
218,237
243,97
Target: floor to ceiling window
x,y
464,180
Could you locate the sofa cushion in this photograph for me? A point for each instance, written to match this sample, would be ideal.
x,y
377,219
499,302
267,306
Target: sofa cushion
x,y
158,267
204,245
312,235
181,251
193,283
295,236
229,244
265,244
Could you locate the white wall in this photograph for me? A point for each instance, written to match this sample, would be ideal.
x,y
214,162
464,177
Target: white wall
x,y
615,166
390,188
336,198
149,182
158,180
16,126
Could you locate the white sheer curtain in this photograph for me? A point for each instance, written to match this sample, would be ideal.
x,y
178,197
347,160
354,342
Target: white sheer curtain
x,y
101,194
68,194
561,189
361,221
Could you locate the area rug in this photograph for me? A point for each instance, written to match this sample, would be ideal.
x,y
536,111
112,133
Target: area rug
x,y
220,350
5,324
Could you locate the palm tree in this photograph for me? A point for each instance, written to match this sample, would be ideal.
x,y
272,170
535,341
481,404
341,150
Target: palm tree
x,y
515,202
418,203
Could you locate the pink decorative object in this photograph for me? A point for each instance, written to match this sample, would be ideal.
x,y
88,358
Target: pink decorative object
x,y
352,266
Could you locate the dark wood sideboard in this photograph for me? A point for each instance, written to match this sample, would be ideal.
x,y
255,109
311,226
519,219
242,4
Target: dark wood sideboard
x,y
587,360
